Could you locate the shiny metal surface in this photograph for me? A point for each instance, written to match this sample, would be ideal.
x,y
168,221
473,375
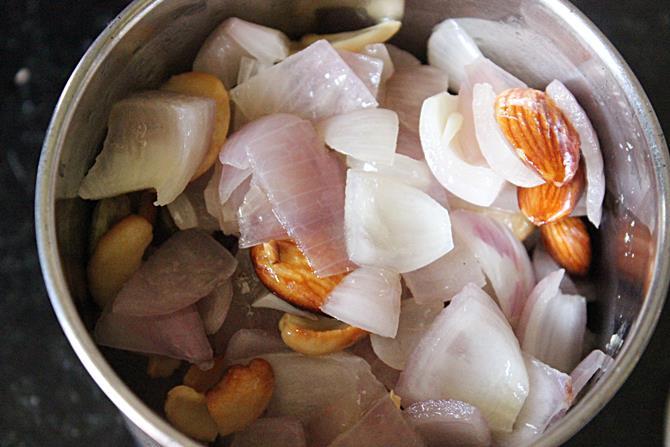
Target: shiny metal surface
x,y
537,40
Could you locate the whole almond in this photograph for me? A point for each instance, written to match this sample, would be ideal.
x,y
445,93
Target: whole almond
x,y
282,268
568,242
241,396
539,132
548,202
320,337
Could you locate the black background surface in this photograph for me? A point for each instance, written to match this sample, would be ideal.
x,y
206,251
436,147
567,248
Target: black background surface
x,y
47,398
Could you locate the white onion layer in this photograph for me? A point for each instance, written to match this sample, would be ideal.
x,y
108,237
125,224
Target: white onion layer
x,y
594,362
450,48
267,45
544,264
214,308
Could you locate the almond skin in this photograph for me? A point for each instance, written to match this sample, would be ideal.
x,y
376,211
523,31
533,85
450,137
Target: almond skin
x,y
282,268
548,202
539,132
320,337
241,396
568,242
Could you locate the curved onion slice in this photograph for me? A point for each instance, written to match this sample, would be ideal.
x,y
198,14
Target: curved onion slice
x,y
414,322
469,353
378,235
179,335
440,123
189,209
257,221
313,83
440,280
267,45
382,426
552,324
305,185
495,148
401,58
450,48
449,423
367,298
248,343
271,432
544,264
587,368
220,55
271,301
154,140
213,308
549,398
368,134
184,269
593,159
502,257
380,51
407,89
368,69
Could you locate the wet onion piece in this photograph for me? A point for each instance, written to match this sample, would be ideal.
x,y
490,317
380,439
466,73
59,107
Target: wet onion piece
x,y
593,159
367,298
213,308
401,58
184,269
272,432
272,301
439,128
471,354
381,52
449,423
450,48
378,235
382,426
414,322
385,374
267,45
502,258
249,343
257,221
154,140
587,368
552,324
305,186
313,83
440,280
368,69
544,264
549,398
179,335
189,209
368,134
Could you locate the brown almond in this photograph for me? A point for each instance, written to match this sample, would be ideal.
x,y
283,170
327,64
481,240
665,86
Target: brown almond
x,y
548,202
539,132
320,337
568,242
202,380
241,396
186,409
282,268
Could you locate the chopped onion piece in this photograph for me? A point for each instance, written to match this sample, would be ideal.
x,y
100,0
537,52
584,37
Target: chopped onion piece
x,y
179,335
382,426
502,258
271,301
380,51
184,269
368,69
471,354
267,45
544,264
440,280
450,48
552,324
257,221
271,432
593,159
409,143
249,343
378,235
587,368
498,152
548,400
189,209
368,134
439,126
414,322
154,140
401,59
313,83
385,374
409,87
220,55
214,308
449,423
367,298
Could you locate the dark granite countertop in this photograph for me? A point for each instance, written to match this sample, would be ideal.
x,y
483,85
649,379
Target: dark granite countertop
x,y
47,399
